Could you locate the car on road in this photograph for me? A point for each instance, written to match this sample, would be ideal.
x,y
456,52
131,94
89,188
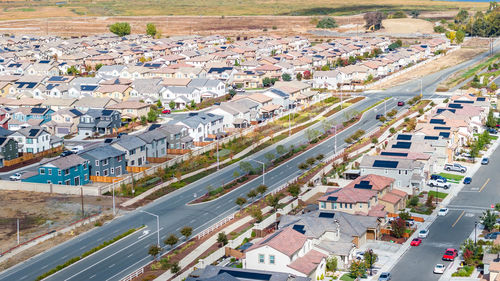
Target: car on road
x,y
443,212
16,176
384,276
416,242
450,254
439,268
436,177
467,180
77,148
455,168
423,233
401,103
66,153
439,183
166,111
492,235
485,161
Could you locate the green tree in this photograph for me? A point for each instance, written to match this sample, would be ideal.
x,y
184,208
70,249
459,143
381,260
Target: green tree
x,y
187,231
273,201
159,104
236,174
151,29
175,268
72,70
327,22
269,156
413,202
261,189
286,77
256,213
398,226
404,215
152,115
240,201
280,149
246,167
120,28
459,36
493,87
144,120
489,220
461,17
154,251
451,35
357,269
439,29
331,264
491,121
294,189
399,15
415,13
370,258
98,66
171,104
171,240
222,238
312,134
193,104
252,194
299,76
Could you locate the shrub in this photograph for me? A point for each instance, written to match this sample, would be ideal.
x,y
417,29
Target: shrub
x,y
327,22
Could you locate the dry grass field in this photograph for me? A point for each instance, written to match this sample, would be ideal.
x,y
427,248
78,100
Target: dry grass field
x,y
407,25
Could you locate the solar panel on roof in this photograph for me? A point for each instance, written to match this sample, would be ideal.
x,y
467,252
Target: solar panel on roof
x,y
455,105
463,101
88,87
75,111
44,61
404,137
332,198
153,127
247,275
57,78
50,86
38,110
437,121
402,145
481,99
31,85
33,132
108,140
326,215
107,112
445,134
431,138
442,128
444,109
299,228
385,164
398,154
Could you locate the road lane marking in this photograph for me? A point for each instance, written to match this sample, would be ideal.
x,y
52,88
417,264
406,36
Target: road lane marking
x,y
193,220
24,277
92,276
130,255
111,265
147,257
82,247
482,187
45,266
459,217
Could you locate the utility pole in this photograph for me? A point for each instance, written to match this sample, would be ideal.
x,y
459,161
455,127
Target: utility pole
x,y
17,231
335,138
289,123
385,107
421,86
81,195
217,144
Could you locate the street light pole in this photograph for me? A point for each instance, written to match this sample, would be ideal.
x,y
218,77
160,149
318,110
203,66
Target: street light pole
x,y
263,169
157,225
217,140
289,123
421,82
335,138
475,235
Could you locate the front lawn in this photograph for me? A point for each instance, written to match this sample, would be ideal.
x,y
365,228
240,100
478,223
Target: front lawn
x,y
346,277
452,177
440,195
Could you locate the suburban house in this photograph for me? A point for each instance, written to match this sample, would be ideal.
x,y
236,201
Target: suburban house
x,y
69,170
8,149
209,88
134,148
105,161
214,273
32,139
156,143
64,122
200,125
40,114
408,174
99,121
177,136
131,109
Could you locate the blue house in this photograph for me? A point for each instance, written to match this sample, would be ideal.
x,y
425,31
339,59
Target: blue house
x,y
69,170
41,114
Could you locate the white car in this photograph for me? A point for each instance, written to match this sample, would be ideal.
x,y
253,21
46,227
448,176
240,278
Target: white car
x,y
16,176
439,268
423,233
443,212
360,255
439,183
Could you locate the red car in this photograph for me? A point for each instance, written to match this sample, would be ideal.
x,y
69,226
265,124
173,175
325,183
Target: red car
x,y
416,242
450,254
401,103
166,111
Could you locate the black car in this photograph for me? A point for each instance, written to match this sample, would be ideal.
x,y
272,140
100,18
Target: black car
x,y
378,116
66,153
121,134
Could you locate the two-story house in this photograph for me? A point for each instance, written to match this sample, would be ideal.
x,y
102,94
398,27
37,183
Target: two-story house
x,y
99,121
105,161
33,139
64,122
156,143
8,149
69,170
41,114
177,136
134,148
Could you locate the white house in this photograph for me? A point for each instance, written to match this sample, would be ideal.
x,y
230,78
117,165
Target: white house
x,y
33,139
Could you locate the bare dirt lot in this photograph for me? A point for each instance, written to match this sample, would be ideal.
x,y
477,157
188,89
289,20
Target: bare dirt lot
x,y
407,25
469,50
39,213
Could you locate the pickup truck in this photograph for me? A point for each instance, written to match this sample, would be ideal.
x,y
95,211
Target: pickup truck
x,y
455,168
439,183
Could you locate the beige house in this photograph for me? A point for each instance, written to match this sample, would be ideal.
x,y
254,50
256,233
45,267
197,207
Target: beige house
x,y
64,122
131,109
119,92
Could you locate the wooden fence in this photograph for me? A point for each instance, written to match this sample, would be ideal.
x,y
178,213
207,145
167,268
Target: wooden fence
x,y
134,169
177,151
157,159
29,156
105,179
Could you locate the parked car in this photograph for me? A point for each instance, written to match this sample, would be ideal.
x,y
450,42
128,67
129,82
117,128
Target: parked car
x,y
439,268
455,167
77,149
492,235
166,111
416,242
378,116
439,183
16,176
450,254
485,161
467,180
384,276
401,103
121,135
492,131
66,153
360,255
443,212
436,177
423,233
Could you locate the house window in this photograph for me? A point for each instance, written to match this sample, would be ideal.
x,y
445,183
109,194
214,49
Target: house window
x,y
105,172
271,259
323,205
59,172
66,172
118,171
97,173
386,171
50,172
261,258
67,182
334,206
86,177
42,171
49,182
76,168
59,182
350,206
112,171
97,162
105,162
360,205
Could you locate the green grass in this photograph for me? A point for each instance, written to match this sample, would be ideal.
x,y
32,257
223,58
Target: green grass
x,y
472,71
440,195
346,277
452,177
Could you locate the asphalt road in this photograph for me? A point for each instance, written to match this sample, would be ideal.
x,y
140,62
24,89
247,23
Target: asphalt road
x,y
121,258
451,230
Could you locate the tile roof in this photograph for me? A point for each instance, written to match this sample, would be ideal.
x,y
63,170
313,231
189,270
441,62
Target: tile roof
x,y
308,263
286,241
378,182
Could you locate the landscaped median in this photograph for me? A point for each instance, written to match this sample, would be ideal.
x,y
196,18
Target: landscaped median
x,y
88,253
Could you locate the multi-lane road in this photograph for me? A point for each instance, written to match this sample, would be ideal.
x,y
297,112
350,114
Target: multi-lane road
x,y
121,258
